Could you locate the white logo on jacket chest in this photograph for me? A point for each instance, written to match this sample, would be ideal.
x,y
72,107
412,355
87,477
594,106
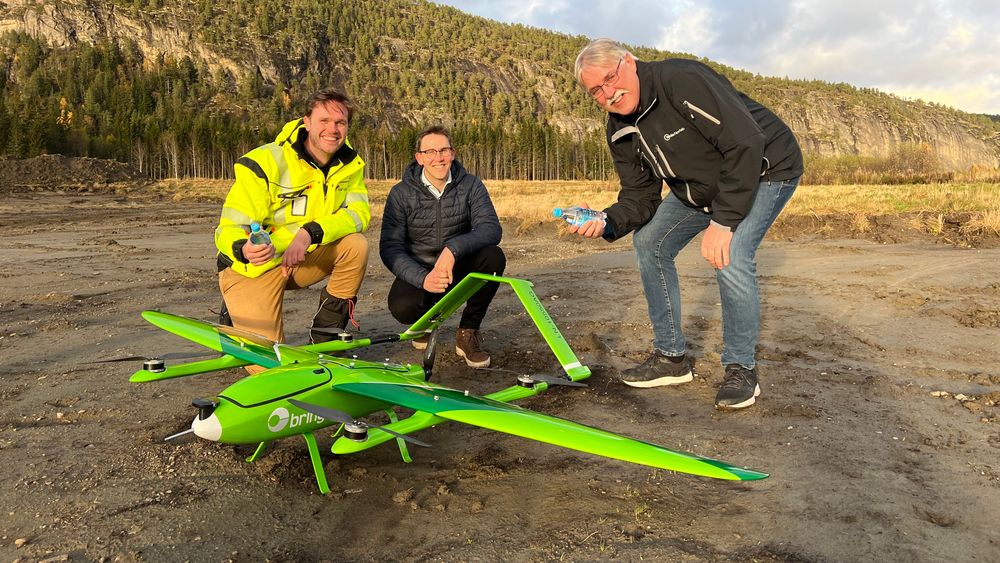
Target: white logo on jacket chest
x,y
668,136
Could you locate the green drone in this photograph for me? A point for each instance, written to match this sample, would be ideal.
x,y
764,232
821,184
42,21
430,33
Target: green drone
x,y
307,388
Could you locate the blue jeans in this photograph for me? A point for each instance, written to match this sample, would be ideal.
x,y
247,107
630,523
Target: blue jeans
x,y
673,226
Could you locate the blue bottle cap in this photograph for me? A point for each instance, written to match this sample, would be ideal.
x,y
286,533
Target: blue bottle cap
x,y
557,212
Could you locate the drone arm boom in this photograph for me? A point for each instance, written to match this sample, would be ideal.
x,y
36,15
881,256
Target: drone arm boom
x,y
184,370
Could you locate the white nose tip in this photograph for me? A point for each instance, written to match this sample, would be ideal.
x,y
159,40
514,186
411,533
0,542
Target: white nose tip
x,y
209,428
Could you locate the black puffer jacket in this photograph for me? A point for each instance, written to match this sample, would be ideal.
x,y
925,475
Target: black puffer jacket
x,y
710,144
416,226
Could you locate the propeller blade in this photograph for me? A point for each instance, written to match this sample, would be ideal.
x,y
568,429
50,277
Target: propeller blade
x,y
556,380
178,435
429,354
122,359
550,379
167,356
324,412
343,417
324,330
410,439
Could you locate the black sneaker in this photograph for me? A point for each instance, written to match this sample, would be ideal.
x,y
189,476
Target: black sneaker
x,y
657,370
739,389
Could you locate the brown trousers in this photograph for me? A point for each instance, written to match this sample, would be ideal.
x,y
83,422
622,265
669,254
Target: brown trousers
x,y
257,304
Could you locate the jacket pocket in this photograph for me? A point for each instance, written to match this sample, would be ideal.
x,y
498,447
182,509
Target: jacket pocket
x,y
702,113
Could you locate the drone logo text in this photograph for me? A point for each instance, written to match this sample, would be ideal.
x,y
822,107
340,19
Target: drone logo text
x,y
280,418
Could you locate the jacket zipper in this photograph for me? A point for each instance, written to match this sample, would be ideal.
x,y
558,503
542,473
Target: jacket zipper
x,y
702,112
440,231
645,145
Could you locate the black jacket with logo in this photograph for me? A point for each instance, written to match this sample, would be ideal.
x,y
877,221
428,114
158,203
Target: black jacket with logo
x,y
710,143
416,226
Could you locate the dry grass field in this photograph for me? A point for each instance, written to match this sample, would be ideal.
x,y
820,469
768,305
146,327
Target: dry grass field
x,y
972,209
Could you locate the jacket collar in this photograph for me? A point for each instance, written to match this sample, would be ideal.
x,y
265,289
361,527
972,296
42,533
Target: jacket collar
x,y
294,134
647,94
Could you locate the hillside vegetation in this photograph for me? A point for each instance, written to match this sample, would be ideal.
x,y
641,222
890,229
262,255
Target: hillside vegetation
x,y
182,89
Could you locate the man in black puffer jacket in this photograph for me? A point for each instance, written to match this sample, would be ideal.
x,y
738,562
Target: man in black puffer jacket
x,y
439,224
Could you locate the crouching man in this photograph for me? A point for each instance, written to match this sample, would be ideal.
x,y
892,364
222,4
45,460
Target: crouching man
x,y
438,226
307,190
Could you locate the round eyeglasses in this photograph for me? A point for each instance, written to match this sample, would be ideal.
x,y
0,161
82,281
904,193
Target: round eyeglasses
x,y
609,81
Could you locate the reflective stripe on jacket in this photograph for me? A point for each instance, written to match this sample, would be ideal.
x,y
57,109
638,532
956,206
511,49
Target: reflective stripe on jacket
x,y
282,191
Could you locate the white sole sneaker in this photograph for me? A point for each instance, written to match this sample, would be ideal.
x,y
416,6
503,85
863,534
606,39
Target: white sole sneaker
x,y
744,404
661,381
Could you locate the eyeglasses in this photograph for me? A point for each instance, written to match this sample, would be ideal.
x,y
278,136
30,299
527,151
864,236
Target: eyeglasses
x,y
434,153
597,91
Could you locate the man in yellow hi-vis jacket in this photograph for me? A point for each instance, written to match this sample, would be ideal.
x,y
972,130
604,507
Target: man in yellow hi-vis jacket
x,y
307,190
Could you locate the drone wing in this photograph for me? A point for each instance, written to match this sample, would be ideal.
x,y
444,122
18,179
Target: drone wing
x,y
494,415
239,346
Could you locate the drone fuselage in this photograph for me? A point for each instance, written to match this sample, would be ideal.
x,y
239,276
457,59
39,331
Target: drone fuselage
x,y
256,409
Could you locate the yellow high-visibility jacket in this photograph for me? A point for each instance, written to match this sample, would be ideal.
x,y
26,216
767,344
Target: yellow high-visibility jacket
x,y
278,186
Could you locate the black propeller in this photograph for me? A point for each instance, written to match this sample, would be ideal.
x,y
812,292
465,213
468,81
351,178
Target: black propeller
x,y
178,435
167,356
527,380
429,354
343,417
341,334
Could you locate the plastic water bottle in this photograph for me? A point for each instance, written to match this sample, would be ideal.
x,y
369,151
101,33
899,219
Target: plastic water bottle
x,y
577,216
258,236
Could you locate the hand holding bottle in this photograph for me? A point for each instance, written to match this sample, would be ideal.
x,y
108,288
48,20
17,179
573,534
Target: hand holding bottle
x,y
258,248
583,220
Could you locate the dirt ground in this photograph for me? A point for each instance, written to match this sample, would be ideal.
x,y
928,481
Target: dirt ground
x,y
878,418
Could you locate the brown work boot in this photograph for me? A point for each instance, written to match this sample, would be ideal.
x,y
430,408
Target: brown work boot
x,y
467,345
421,342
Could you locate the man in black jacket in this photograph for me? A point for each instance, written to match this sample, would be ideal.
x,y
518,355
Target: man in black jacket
x,y
439,224
730,165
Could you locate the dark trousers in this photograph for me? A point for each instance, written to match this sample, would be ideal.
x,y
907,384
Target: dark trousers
x,y
408,303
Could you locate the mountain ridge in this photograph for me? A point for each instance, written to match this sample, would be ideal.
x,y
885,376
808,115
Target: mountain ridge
x,y
409,63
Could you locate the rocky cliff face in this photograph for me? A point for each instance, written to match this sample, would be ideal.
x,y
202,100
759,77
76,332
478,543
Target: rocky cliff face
x,y
825,124
828,127
65,24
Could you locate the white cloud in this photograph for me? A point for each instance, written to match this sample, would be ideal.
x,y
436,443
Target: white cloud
x,y
936,50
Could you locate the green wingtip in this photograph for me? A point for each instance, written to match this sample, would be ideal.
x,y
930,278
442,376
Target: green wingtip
x,y
739,473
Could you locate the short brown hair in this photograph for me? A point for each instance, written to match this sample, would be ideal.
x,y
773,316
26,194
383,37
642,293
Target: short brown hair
x,y
330,95
432,130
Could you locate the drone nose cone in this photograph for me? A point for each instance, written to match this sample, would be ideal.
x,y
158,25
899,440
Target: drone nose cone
x,y
208,428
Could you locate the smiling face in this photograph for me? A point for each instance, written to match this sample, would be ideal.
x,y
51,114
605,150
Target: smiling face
x,y
327,127
614,86
436,164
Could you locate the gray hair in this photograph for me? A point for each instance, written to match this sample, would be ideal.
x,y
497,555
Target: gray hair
x,y
599,52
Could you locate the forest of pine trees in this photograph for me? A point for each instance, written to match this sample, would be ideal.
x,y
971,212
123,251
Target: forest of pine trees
x,y
164,118
507,92
172,117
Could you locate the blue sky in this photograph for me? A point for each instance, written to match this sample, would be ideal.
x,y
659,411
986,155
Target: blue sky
x,y
945,51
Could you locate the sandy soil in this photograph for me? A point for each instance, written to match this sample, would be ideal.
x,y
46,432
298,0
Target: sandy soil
x,y
878,419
